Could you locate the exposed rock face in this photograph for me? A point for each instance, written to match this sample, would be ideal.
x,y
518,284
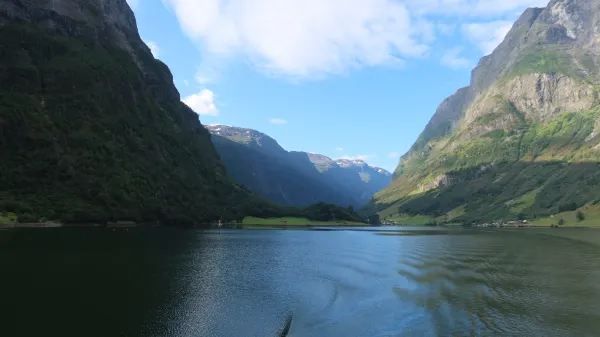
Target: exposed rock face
x,y
536,97
321,162
570,27
543,96
251,138
484,75
107,19
539,97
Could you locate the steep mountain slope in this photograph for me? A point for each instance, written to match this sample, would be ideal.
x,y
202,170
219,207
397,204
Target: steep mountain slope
x,y
91,126
356,175
258,162
523,140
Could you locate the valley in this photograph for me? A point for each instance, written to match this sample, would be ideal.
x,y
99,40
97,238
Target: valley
x,y
222,168
521,142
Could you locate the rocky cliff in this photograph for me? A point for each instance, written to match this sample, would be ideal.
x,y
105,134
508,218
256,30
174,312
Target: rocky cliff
x,y
530,113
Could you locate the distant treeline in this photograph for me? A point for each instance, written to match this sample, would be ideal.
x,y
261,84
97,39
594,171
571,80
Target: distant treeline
x,y
317,212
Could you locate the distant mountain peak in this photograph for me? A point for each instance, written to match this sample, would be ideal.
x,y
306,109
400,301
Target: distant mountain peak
x,y
250,137
321,162
317,156
232,130
383,171
351,162
294,177
260,140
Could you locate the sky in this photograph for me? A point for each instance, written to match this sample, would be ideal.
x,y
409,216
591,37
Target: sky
x,y
356,79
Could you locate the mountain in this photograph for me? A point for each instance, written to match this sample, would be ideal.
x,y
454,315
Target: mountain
x,y
258,162
363,180
92,128
523,140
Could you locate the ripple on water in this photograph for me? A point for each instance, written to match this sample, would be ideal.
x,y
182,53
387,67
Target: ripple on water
x,y
335,283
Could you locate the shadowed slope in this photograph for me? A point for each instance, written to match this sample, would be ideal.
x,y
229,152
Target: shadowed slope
x,y
91,126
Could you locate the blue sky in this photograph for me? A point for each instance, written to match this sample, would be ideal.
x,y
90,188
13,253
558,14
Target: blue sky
x,y
344,78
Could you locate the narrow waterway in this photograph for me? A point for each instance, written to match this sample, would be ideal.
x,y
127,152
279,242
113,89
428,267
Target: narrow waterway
x,y
390,282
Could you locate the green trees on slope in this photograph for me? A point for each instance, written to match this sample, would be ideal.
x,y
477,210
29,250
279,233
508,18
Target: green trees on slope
x,y
88,133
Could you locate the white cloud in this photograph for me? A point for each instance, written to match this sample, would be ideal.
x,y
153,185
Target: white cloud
x,y
446,29
452,59
315,38
304,38
203,103
339,149
394,155
363,157
154,48
278,121
209,71
487,36
202,79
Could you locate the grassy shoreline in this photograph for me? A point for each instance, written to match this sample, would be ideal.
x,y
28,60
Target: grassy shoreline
x,y
587,216
591,220
295,222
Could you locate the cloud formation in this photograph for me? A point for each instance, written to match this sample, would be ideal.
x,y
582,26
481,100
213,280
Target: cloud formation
x,y
452,59
394,155
203,103
278,121
315,38
363,157
487,36
301,38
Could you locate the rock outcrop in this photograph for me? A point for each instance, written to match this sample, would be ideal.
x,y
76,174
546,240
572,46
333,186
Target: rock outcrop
x,y
535,100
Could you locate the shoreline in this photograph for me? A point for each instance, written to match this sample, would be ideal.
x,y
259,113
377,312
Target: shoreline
x,y
132,225
31,225
315,226
51,224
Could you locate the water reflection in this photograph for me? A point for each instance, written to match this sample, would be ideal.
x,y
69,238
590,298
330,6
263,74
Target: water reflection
x,y
503,283
336,283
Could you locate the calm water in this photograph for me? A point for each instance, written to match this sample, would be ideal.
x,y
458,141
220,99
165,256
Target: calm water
x,y
335,283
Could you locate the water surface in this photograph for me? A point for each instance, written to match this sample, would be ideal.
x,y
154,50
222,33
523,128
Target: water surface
x,y
390,282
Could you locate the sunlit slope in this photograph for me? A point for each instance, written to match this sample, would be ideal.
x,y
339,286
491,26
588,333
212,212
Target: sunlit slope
x,y
523,140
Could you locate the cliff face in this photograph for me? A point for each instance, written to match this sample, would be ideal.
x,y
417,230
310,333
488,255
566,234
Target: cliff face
x,y
533,101
108,20
91,126
483,76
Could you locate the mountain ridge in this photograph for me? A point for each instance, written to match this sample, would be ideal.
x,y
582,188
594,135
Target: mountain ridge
x,y
92,128
295,178
533,100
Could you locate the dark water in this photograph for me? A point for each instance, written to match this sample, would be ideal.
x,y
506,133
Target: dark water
x,y
335,283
